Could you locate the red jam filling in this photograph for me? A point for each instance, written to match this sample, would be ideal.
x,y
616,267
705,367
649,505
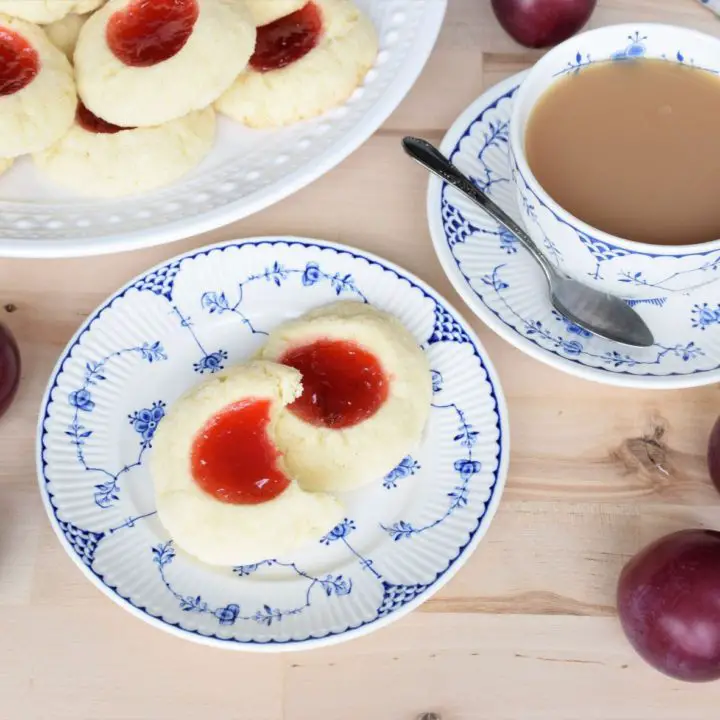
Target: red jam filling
x,y
287,39
234,460
92,123
343,384
19,62
148,32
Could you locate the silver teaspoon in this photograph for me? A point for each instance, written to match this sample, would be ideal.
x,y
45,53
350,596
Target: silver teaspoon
x,y
598,312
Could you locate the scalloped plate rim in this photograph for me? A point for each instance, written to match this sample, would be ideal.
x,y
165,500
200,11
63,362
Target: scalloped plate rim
x,y
330,638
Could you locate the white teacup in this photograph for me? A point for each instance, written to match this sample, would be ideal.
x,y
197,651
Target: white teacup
x,y
624,267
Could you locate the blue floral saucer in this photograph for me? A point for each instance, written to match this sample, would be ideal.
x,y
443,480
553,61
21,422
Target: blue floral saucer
x,y
505,288
403,537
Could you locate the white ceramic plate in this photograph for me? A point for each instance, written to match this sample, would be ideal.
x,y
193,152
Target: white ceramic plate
x,y
505,288
404,536
247,170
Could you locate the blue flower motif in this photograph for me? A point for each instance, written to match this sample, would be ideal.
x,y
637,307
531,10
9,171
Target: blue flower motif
x,y
571,327
266,615
215,302
276,274
312,274
636,278
459,495
78,433
228,615
163,554
466,436
154,352
145,421
705,316
337,585
401,530
529,208
405,468
106,493
467,468
244,570
94,372
508,242
535,327
437,380
193,604
618,359
342,283
494,280
339,532
687,352
574,67
574,329
635,49
572,347
82,400
211,363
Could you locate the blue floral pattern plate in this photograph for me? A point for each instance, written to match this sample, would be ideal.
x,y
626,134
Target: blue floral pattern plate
x,y
714,5
506,289
403,537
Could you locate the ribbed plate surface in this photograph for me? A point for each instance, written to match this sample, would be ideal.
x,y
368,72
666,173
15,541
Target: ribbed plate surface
x,y
404,536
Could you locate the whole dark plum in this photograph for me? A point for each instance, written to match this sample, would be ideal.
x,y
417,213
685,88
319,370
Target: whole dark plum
x,y
542,23
713,456
669,604
9,368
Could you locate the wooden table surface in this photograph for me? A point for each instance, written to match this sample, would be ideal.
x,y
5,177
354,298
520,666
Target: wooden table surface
x,y
526,630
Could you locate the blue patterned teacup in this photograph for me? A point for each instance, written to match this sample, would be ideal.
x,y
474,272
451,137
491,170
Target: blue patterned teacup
x,y
624,267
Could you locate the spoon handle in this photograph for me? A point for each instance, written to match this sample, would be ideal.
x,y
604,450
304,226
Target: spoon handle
x,y
432,159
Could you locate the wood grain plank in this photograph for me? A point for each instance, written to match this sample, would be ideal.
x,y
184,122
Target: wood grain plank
x,y
490,668
87,663
560,558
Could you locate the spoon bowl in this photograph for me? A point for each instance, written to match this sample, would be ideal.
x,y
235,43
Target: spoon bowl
x,y
598,312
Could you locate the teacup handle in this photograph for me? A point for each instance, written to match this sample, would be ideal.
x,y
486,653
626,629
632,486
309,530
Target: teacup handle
x,y
432,159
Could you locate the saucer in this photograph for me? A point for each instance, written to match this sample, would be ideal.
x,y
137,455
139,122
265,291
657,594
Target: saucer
x,y
403,536
507,290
